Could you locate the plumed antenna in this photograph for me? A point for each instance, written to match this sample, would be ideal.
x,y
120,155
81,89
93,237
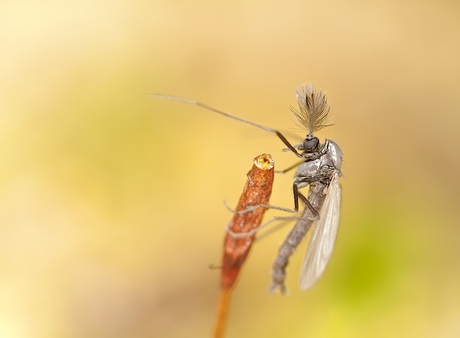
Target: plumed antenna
x,y
314,110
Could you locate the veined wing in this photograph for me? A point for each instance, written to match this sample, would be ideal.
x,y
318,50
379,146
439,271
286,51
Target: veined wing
x,y
323,236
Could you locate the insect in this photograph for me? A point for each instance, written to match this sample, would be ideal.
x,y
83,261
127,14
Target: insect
x,y
320,170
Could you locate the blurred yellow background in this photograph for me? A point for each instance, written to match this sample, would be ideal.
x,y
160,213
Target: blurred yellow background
x,y
111,203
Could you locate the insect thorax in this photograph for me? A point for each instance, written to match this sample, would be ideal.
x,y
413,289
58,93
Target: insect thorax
x,y
320,167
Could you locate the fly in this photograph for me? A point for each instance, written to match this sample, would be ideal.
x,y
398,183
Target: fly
x,y
320,170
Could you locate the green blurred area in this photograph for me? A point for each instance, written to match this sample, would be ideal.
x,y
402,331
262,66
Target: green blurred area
x,y
111,202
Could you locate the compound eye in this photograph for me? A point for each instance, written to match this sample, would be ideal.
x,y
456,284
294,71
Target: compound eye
x,y
310,144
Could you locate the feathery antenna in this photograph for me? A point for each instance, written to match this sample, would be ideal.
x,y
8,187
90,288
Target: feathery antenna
x,y
314,109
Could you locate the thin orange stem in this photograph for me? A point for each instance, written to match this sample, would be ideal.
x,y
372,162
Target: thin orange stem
x,y
222,312
257,191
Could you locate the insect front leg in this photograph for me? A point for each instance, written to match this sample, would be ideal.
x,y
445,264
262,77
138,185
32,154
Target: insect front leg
x,y
289,168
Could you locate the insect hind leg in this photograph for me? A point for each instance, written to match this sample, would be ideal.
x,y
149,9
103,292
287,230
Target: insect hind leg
x,y
252,208
297,195
266,224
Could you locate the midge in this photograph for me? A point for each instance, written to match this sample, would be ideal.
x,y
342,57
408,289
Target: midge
x,y
320,170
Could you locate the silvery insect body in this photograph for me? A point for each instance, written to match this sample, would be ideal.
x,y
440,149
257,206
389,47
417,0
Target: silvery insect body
x,y
320,170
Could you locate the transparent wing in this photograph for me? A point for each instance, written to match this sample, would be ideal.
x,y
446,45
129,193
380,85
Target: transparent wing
x,y
322,240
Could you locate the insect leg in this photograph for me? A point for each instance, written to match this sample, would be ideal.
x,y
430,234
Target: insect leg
x,y
204,106
251,208
289,168
297,195
253,231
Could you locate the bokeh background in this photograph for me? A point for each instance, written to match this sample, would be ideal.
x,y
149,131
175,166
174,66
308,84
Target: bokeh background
x,y
111,202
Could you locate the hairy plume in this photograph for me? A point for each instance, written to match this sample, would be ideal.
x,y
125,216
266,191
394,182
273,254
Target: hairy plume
x,y
314,109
